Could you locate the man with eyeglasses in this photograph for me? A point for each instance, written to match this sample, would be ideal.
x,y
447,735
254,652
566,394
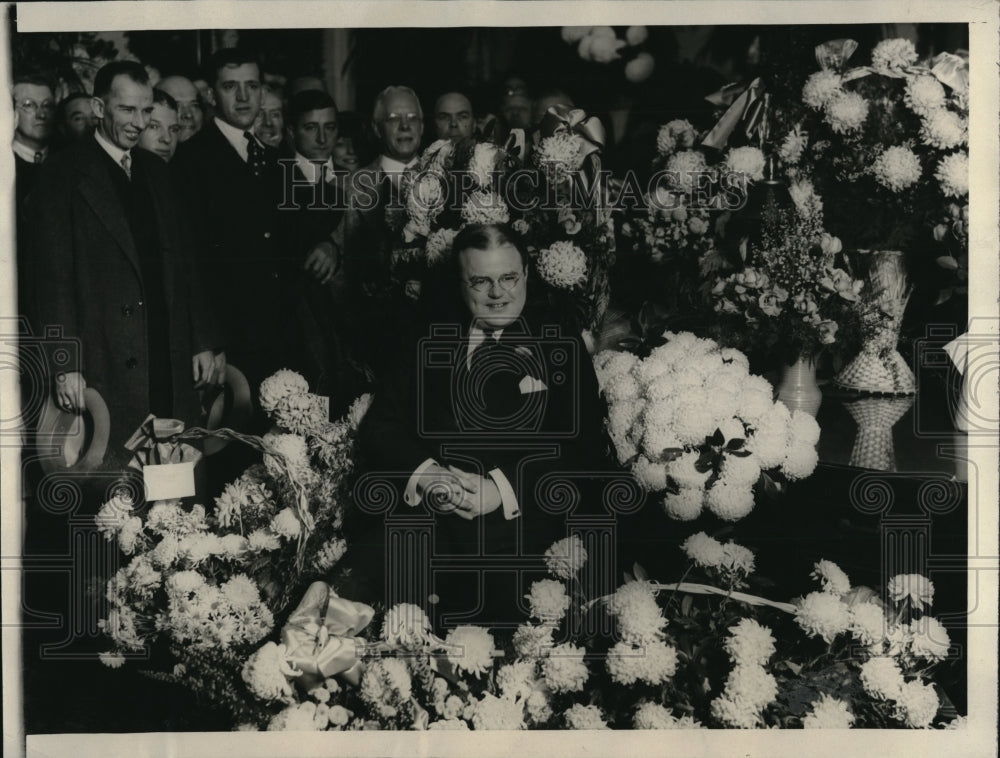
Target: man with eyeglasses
x,y
34,111
453,116
363,237
487,403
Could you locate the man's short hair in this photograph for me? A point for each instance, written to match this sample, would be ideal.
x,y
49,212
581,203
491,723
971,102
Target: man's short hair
x,y
308,100
379,113
486,237
33,77
110,71
67,101
162,98
229,56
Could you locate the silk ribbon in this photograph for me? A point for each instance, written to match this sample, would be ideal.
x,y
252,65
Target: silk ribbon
x,y
321,634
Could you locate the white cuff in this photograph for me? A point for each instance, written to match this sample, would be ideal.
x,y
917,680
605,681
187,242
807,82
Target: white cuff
x,y
410,494
508,499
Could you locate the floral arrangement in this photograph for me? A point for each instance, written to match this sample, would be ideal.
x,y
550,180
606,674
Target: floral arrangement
x,y
886,143
204,586
685,655
693,423
681,227
562,217
435,204
796,287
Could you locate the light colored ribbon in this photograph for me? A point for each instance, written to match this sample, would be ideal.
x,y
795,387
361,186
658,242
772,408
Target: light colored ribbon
x,y
321,634
951,70
747,109
588,129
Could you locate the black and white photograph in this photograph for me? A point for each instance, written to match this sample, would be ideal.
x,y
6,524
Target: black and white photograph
x,y
392,367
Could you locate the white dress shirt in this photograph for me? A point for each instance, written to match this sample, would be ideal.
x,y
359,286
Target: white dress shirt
x,y
314,171
112,149
235,137
26,153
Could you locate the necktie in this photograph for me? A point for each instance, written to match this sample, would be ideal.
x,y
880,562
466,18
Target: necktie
x,y
126,162
255,155
39,157
481,353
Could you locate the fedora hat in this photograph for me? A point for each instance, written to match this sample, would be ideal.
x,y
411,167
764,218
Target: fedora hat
x,y
80,440
230,405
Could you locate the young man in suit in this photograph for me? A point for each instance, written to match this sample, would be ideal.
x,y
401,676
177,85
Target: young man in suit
x,y
109,265
311,209
484,416
232,183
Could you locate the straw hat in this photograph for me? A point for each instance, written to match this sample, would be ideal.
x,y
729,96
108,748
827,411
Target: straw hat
x,y
228,406
79,441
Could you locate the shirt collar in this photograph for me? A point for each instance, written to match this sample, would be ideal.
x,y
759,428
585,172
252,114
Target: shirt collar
x,y
236,137
312,170
476,337
110,148
27,153
392,166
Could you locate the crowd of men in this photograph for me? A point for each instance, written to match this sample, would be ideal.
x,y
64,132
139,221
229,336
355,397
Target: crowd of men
x,y
174,231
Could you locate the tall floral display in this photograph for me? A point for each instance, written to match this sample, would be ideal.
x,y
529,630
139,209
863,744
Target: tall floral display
x,y
554,198
886,148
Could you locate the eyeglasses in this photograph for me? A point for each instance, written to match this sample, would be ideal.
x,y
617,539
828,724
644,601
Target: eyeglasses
x,y
30,106
484,284
397,119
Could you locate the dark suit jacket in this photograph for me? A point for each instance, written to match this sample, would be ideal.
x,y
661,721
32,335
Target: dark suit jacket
x,y
249,271
83,275
432,407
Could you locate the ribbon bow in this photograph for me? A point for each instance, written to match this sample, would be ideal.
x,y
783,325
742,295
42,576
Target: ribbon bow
x,y
321,635
951,70
746,109
834,54
155,442
588,129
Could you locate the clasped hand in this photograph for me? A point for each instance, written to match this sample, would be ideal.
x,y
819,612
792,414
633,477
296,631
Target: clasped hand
x,y
452,490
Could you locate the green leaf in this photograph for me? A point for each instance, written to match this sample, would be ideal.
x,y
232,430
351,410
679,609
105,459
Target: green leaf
x,y
686,604
640,572
717,438
794,667
627,577
735,444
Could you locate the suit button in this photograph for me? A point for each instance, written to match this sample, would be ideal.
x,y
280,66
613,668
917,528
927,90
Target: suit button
x,y
131,363
267,235
126,310
140,303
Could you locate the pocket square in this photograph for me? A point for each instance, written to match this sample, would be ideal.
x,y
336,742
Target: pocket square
x,y
531,384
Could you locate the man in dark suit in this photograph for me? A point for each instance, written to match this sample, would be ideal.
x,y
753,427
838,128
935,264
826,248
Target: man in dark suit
x,y
311,210
480,417
34,112
232,184
109,264
363,237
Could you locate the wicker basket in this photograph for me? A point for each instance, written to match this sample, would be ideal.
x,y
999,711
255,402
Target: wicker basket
x,y
879,368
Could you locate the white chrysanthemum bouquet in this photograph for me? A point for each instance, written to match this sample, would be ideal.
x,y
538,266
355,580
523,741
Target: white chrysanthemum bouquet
x,y
207,583
886,145
693,423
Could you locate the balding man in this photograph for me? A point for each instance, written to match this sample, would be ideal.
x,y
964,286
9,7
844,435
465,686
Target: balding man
x,y
453,117
190,114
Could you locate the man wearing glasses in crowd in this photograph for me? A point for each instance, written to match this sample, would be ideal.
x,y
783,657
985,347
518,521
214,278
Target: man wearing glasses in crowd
x,y
34,110
362,237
